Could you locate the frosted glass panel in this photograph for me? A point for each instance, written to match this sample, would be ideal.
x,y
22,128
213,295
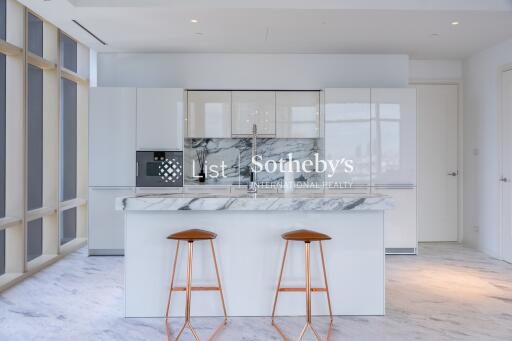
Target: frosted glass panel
x,y
35,138
2,252
34,239
69,140
68,226
68,52
2,19
2,135
35,35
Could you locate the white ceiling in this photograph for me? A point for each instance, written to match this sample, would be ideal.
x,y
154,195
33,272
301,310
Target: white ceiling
x,y
419,28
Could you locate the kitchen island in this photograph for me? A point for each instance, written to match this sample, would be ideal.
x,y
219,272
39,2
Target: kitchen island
x,y
249,250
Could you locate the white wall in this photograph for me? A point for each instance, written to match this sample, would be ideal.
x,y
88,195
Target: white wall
x,y
481,77
252,71
435,70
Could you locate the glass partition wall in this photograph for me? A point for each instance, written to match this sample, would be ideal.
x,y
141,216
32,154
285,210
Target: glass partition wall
x,y
43,143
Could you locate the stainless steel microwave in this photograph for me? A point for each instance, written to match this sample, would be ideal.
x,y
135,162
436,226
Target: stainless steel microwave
x,y
159,169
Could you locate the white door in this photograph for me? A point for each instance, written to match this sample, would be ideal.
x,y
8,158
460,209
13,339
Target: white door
x,y
506,164
112,131
159,119
298,114
209,114
437,162
254,107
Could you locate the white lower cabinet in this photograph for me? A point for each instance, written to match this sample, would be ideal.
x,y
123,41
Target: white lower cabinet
x,y
106,225
400,227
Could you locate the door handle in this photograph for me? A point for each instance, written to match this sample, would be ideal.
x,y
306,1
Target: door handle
x,y
503,179
453,173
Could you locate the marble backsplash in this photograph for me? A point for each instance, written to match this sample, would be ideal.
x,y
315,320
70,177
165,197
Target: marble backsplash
x,y
236,154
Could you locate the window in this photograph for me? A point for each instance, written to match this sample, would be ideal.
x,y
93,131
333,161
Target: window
x,y
35,35
35,138
69,140
68,53
2,252
2,136
34,239
68,226
3,21
3,109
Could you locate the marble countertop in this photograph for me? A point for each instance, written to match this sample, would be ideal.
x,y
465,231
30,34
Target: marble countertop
x,y
255,202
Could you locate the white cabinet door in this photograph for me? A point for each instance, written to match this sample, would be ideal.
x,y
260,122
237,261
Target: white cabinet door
x,y
159,119
106,225
347,134
209,114
394,137
297,114
400,223
112,131
254,107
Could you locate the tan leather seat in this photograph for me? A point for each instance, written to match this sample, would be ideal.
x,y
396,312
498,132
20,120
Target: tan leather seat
x,y
305,236
191,235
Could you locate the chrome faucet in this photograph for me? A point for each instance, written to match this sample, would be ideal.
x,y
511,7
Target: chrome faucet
x,y
252,187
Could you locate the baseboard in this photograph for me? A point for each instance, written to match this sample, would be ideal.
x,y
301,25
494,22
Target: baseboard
x,y
106,252
401,251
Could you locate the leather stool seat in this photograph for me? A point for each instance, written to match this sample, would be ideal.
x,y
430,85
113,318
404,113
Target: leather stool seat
x,y
305,236
191,235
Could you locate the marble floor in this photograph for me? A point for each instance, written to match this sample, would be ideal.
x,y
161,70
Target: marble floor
x,y
448,292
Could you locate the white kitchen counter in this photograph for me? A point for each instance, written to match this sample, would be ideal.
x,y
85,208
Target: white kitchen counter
x,y
249,250
255,202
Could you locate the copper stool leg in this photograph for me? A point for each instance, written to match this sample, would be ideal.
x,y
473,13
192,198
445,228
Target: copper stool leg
x,y
188,291
277,293
327,292
308,290
308,296
225,322
172,280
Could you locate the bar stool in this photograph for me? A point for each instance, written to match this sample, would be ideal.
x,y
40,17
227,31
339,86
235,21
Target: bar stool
x,y
191,236
307,237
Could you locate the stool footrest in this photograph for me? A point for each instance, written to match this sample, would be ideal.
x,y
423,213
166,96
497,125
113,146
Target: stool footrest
x,y
196,289
302,289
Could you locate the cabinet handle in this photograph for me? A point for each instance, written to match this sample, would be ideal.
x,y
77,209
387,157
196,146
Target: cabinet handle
x,y
453,173
137,169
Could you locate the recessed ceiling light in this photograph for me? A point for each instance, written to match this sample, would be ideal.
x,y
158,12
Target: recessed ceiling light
x,y
199,33
194,21
455,23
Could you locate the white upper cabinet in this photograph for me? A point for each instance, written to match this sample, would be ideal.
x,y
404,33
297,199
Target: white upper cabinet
x,y
393,137
298,114
112,117
347,134
159,119
254,107
209,114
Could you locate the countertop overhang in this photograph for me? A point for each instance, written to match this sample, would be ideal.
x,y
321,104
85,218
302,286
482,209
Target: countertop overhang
x,y
256,202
